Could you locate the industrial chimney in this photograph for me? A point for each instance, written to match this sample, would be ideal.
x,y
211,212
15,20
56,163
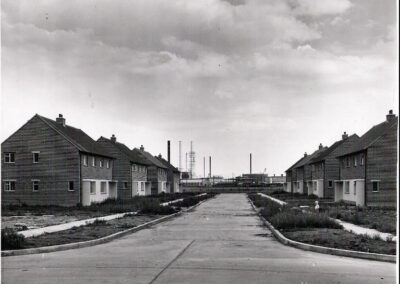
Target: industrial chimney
x,y
250,164
169,151
210,165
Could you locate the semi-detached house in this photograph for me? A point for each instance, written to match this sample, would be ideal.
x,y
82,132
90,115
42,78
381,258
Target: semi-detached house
x,y
48,162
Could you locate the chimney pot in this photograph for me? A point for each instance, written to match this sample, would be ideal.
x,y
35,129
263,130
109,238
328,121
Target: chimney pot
x,y
390,115
60,119
345,135
141,148
320,146
305,154
113,138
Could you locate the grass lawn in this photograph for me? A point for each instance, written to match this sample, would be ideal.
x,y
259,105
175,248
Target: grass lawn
x,y
337,238
316,228
88,232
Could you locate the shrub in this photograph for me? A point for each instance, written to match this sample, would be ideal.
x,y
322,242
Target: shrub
x,y
313,196
289,220
157,210
11,240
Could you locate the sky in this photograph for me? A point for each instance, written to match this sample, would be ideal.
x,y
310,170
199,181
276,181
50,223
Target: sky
x,y
273,78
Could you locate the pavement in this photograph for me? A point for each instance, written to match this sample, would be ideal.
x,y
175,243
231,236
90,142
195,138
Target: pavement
x,y
222,241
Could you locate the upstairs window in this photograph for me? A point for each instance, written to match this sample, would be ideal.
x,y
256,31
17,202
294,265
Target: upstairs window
x,y
355,161
9,185
35,157
85,160
71,186
135,168
93,161
330,183
101,163
124,185
108,164
9,157
362,159
35,185
375,185
347,162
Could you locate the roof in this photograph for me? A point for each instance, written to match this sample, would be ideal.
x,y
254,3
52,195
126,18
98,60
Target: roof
x,y
168,165
371,136
307,159
149,157
129,154
295,164
77,137
322,155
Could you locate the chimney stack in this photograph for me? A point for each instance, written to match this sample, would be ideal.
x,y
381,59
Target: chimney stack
x,y
390,116
141,148
210,165
60,119
305,154
159,155
250,164
345,136
169,151
113,138
320,146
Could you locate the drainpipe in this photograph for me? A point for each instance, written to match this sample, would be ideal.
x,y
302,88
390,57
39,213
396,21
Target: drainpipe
x,y
365,177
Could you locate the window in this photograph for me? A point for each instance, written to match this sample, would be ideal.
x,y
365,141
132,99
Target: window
x,y
85,160
362,158
313,167
347,187
101,163
142,186
92,187
134,168
330,183
375,185
103,187
71,186
347,162
35,185
35,157
124,185
355,161
9,185
9,158
355,187
108,164
93,161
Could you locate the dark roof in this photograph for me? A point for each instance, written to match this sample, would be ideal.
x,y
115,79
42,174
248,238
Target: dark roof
x,y
307,159
130,154
371,136
295,164
322,155
77,137
167,164
149,157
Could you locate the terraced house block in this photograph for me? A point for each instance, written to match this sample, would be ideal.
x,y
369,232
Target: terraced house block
x,y
48,162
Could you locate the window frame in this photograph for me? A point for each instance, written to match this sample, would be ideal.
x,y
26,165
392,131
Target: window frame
x,y
101,187
347,187
355,187
355,161
378,183
86,160
8,154
108,164
92,189
125,185
101,163
362,159
93,162
9,181
330,183
69,185
347,162
33,157
33,185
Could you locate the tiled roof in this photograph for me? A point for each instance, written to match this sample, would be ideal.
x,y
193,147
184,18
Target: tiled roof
x,y
321,156
149,157
169,165
371,136
130,154
295,164
307,159
77,137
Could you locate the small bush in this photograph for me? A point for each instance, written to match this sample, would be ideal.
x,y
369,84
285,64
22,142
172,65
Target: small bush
x,y
99,222
158,210
313,196
11,240
290,220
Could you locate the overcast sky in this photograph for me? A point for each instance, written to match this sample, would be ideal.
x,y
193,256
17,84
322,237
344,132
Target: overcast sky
x,y
274,78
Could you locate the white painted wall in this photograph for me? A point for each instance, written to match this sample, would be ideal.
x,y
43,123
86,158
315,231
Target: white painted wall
x,y
139,188
317,187
88,198
356,191
287,186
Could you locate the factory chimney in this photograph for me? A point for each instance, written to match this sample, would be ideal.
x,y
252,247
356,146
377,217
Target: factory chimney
x,y
169,151
250,164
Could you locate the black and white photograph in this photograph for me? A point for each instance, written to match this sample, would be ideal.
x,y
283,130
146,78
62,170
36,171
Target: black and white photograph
x,y
208,141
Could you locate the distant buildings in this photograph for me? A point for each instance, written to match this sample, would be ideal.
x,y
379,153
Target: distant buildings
x,y
259,179
48,162
359,170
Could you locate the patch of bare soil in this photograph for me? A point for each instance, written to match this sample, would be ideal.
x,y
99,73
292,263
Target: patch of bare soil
x,y
89,232
337,238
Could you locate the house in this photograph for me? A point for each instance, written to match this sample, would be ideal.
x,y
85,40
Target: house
x,y
48,162
368,170
130,170
325,167
302,172
156,172
291,177
173,175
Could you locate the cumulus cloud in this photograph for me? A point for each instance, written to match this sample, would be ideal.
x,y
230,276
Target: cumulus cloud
x,y
244,75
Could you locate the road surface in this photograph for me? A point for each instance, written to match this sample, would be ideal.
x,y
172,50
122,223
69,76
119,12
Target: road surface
x,y
222,241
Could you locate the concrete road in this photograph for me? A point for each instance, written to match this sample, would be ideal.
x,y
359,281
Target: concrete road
x,y
222,241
